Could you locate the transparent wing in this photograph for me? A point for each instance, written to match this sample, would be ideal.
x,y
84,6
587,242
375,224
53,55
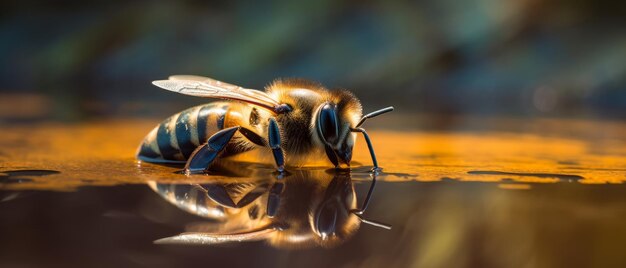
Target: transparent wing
x,y
194,238
210,88
257,93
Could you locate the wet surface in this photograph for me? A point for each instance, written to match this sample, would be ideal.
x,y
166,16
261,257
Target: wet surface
x,y
438,224
102,153
73,194
562,177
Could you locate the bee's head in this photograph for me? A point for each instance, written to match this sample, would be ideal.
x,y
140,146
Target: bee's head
x,y
331,220
332,123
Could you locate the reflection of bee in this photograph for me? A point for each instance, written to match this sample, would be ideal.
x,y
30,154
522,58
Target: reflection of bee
x,y
316,208
301,117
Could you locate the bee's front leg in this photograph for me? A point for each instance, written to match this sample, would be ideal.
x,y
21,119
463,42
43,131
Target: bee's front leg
x,y
274,144
273,200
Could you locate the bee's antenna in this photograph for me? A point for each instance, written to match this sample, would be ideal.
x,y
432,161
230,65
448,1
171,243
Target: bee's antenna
x,y
359,212
374,223
374,114
369,146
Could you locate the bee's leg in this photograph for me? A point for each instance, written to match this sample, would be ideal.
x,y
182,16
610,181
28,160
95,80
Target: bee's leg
x,y
273,199
274,144
218,193
203,156
253,195
252,137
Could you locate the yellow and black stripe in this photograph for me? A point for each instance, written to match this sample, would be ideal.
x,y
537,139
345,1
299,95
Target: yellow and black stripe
x,y
175,139
191,198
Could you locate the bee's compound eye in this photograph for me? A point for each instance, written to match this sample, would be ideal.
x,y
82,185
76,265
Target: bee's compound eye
x,y
327,124
326,220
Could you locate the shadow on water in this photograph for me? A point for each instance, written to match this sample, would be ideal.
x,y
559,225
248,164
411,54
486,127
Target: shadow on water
x,y
560,177
299,209
20,176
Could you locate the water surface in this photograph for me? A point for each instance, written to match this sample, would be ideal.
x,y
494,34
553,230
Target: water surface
x,y
547,195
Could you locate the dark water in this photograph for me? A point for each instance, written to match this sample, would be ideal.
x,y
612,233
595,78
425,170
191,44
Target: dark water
x,y
440,224
547,195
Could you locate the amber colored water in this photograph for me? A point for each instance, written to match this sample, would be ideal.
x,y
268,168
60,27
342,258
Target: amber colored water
x,y
548,193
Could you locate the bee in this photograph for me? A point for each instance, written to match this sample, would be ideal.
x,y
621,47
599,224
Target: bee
x,y
295,118
320,208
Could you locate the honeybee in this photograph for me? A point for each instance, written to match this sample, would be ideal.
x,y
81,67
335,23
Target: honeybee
x,y
317,208
297,119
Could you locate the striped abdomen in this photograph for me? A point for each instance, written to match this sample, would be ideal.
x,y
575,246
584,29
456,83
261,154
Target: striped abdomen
x,y
189,197
179,135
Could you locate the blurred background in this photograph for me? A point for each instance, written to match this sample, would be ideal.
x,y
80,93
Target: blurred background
x,y
444,63
75,60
